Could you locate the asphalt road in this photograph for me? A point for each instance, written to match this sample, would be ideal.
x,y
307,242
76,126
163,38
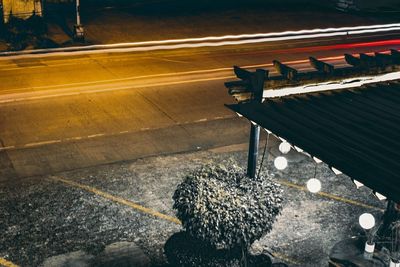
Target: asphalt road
x,y
61,113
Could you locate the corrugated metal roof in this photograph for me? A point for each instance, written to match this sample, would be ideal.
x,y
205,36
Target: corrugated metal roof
x,y
355,130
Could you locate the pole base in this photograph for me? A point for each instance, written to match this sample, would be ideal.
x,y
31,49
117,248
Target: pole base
x,y
369,250
79,33
394,264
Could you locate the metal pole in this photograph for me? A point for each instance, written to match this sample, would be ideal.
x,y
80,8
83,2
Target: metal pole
x,y
253,150
78,17
257,84
78,28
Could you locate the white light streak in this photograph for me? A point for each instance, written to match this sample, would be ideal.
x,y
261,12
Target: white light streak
x,y
212,41
344,84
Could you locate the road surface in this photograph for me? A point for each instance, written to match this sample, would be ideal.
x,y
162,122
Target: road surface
x,y
65,112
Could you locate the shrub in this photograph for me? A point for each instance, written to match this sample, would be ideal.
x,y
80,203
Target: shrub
x,y
182,249
222,207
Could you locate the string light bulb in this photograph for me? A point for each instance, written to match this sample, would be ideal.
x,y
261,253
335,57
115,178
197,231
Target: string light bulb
x,y
280,163
284,147
314,185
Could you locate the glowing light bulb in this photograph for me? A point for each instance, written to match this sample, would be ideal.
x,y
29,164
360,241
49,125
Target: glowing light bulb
x,y
284,147
280,163
367,221
314,185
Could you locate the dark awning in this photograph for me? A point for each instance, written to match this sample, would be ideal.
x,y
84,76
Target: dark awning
x,y
356,130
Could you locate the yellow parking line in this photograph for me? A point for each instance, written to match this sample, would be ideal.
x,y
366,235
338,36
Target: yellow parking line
x,y
333,263
330,196
141,208
117,199
284,258
6,263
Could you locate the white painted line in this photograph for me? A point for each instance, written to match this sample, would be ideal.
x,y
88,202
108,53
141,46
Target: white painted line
x,y
96,135
7,148
42,143
203,71
90,91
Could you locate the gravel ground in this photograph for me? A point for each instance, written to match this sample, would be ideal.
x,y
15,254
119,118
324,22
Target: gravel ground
x,y
42,218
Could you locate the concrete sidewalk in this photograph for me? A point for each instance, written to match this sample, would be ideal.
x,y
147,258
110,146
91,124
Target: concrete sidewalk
x,y
121,214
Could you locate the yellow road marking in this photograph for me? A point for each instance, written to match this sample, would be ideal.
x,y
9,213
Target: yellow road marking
x,y
333,263
284,258
6,263
139,208
327,195
116,199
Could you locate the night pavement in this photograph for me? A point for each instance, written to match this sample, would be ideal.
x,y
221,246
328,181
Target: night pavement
x,y
101,215
160,20
97,213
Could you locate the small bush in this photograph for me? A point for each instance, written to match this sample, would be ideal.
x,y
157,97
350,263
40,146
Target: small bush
x,y
222,207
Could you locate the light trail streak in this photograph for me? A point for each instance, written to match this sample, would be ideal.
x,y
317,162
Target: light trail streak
x,y
212,41
171,74
225,72
330,86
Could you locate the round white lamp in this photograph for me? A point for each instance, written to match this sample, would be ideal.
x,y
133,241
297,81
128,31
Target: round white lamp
x,y
367,222
284,147
314,185
280,163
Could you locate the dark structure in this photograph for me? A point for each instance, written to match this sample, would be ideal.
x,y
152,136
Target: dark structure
x,y
348,117
356,131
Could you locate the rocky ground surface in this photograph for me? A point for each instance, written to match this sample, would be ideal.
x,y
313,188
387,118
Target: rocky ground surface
x,y
47,221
